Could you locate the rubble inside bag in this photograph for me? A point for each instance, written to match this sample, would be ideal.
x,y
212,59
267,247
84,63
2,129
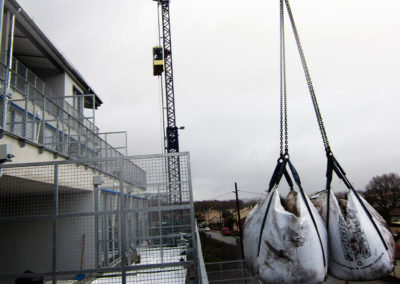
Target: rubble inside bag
x,y
287,241
319,200
343,207
357,251
290,203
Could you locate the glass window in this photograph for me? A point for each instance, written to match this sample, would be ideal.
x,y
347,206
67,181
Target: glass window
x,y
78,102
158,53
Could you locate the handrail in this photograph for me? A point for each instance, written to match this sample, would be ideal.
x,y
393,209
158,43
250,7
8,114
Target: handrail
x,y
64,133
202,266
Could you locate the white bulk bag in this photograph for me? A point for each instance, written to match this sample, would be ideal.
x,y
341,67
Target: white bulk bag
x,y
356,251
291,251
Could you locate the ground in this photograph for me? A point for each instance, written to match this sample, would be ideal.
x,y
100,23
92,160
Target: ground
x,y
214,250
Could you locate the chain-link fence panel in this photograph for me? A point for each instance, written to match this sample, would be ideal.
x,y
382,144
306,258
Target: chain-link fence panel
x,y
232,272
68,220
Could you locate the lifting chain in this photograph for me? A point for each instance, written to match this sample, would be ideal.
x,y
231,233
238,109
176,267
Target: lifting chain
x,y
283,94
308,78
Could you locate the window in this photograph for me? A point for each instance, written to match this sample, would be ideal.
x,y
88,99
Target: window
x,y
78,102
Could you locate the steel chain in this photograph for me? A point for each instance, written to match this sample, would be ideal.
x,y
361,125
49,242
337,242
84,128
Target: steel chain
x,y
283,101
308,78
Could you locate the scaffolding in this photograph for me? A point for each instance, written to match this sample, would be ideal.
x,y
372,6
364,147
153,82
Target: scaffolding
x,y
64,220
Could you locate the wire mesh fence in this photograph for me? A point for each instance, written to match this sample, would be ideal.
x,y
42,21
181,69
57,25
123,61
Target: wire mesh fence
x,y
67,220
232,272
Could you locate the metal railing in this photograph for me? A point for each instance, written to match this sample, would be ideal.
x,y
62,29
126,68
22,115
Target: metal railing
x,y
37,115
233,272
22,76
202,268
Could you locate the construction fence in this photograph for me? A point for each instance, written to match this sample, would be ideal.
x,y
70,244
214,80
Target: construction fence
x,y
66,221
232,272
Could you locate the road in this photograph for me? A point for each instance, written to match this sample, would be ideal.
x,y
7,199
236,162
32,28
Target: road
x,y
219,237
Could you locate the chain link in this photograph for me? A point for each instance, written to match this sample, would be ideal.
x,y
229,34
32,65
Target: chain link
x,y
281,79
308,78
283,93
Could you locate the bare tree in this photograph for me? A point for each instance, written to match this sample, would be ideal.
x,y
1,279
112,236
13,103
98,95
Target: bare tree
x,y
383,193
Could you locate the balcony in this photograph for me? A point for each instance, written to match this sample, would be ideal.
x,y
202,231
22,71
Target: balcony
x,y
39,116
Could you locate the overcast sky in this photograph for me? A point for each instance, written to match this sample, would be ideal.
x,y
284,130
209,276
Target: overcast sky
x,y
226,73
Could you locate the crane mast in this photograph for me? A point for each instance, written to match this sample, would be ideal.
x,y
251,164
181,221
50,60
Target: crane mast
x,y
171,142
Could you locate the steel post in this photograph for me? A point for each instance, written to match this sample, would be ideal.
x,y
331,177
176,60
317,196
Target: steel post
x,y
1,22
43,125
160,226
193,224
105,228
26,112
122,219
55,213
96,224
6,94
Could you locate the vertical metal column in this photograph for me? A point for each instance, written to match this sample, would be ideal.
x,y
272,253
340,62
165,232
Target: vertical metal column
x,y
55,213
145,221
69,135
193,223
134,216
79,138
113,222
96,224
1,22
122,228
8,76
105,228
43,125
160,225
57,136
26,111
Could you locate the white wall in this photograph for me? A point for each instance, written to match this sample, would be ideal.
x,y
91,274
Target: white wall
x,y
28,244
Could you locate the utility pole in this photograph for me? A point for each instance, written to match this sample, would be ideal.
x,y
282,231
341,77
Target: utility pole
x,y
240,225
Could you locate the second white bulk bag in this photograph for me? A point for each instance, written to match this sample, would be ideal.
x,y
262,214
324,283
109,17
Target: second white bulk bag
x,y
361,246
293,247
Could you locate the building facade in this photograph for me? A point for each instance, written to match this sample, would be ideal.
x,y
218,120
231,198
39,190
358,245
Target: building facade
x,y
47,114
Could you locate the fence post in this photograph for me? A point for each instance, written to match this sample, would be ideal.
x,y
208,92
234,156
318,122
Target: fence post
x,y
122,220
8,75
105,226
55,213
26,111
97,180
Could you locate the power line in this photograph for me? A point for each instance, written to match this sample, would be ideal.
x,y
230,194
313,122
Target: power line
x,y
220,195
263,194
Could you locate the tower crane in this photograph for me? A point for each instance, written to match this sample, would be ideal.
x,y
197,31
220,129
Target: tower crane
x,y
162,63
